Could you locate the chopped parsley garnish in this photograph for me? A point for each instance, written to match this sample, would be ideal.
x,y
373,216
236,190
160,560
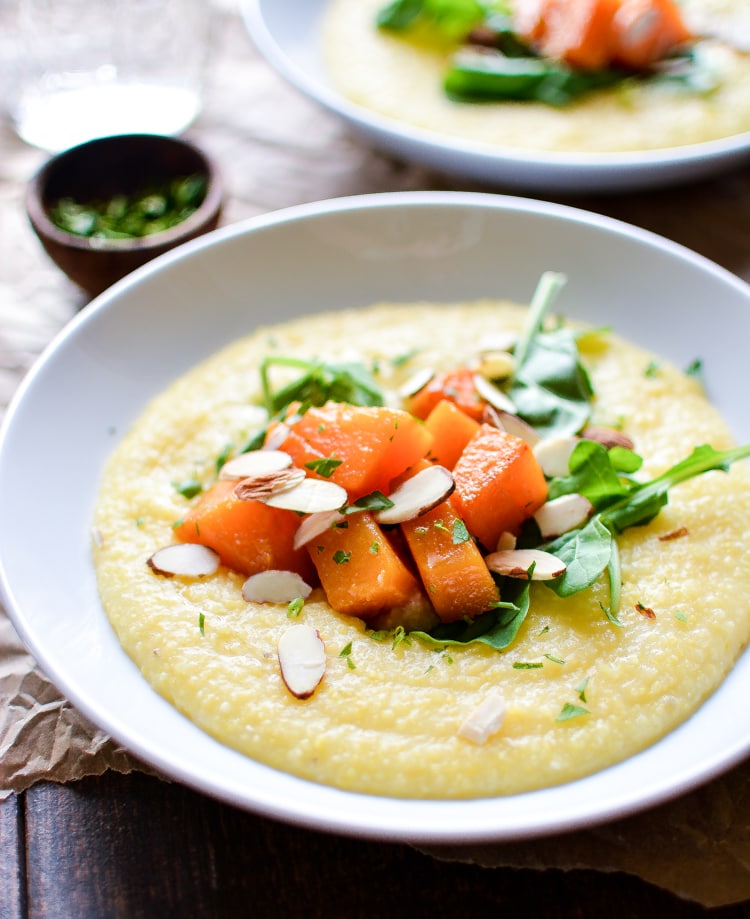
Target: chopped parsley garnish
x,y
527,665
569,711
295,607
460,532
341,557
346,653
202,623
325,466
581,689
189,488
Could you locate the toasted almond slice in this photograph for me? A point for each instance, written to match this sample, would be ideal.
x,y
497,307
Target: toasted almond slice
x,y
275,586
563,514
490,393
184,559
553,455
302,659
316,524
254,463
276,437
417,495
506,540
310,496
417,381
264,487
506,421
608,437
515,563
496,365
485,720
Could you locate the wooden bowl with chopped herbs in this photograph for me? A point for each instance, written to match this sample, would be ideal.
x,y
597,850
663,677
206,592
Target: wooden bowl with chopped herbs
x,y
108,206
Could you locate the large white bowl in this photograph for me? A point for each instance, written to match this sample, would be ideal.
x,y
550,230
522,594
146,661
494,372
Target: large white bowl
x,y
129,343
286,32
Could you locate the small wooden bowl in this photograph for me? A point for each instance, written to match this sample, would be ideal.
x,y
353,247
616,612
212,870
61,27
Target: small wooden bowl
x,y
100,170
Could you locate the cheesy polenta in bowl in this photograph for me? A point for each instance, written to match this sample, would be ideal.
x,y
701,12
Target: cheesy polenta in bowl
x,y
548,76
430,551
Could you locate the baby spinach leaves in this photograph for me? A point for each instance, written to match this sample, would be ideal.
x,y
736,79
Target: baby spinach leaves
x,y
318,383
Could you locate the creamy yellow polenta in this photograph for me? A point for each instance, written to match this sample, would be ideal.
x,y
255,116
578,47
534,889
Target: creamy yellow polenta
x,y
401,80
385,718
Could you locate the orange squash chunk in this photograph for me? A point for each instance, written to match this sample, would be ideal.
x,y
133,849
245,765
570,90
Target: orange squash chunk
x,y
455,576
451,430
373,444
455,385
359,570
499,484
578,32
249,536
645,31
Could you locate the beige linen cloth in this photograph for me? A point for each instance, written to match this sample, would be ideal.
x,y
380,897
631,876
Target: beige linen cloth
x,y
276,149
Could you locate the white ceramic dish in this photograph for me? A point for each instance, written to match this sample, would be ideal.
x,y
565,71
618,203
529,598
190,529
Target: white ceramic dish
x,y
286,33
128,344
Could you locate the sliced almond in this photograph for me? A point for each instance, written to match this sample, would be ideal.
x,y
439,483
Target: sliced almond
x,y
512,424
485,720
490,393
417,495
516,563
496,365
316,524
563,514
417,381
276,437
302,659
255,463
310,496
275,586
184,559
607,437
506,540
264,487
553,455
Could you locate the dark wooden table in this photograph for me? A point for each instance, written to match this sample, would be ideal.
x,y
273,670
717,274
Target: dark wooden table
x,y
125,847
129,846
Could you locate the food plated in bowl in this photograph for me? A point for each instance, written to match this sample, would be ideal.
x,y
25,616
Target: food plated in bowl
x,y
632,133
406,248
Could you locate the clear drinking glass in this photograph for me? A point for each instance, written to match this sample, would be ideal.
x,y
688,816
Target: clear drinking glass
x,y
92,68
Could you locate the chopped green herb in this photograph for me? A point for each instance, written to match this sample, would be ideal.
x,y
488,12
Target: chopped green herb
x,y
581,689
569,711
202,623
379,635
295,607
680,615
527,665
695,368
460,532
374,547
652,369
346,652
153,208
325,466
189,488
400,637
341,557
555,660
224,456
375,501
